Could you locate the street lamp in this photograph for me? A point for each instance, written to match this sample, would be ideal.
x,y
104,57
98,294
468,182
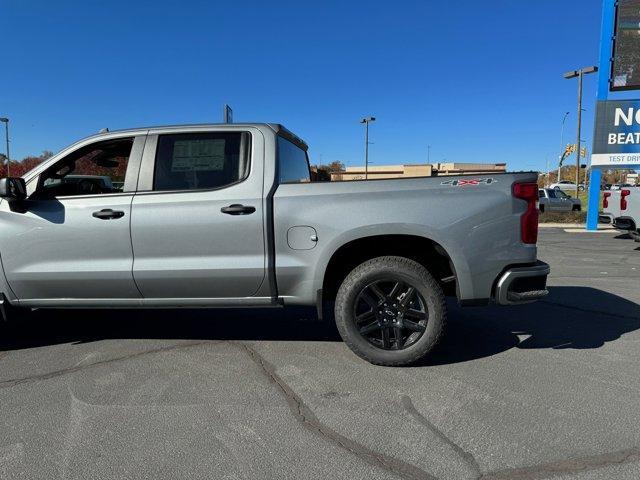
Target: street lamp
x,y
564,119
6,130
580,74
366,121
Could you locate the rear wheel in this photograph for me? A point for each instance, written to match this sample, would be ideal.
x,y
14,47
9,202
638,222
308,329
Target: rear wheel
x,y
577,208
390,311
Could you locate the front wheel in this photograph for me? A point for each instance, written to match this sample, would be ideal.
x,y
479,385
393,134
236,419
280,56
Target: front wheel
x,y
390,311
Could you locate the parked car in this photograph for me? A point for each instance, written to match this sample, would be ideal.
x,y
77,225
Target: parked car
x,y
567,185
227,216
622,209
81,183
555,200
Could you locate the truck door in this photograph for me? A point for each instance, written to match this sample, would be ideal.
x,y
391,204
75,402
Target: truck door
x,y
197,225
69,241
555,202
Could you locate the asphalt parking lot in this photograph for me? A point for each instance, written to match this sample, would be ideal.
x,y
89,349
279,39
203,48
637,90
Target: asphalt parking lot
x,y
549,390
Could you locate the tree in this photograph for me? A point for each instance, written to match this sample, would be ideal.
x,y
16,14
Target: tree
x,y
323,172
18,169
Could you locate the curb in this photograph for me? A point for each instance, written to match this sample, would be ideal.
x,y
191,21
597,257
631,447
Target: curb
x,y
573,226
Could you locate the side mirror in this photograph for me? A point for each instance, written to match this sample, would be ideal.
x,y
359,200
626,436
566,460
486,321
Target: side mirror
x,y
13,188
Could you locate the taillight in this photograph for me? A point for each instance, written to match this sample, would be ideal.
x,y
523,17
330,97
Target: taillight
x,y
623,198
605,200
529,219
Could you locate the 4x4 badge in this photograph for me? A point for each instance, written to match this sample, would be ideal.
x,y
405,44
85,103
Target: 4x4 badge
x,y
470,183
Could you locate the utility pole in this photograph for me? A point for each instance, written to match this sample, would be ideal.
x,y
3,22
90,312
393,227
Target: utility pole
x,y
6,131
580,75
429,154
564,119
579,140
546,182
366,121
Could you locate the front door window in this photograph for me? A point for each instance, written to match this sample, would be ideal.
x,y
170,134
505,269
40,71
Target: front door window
x,y
98,168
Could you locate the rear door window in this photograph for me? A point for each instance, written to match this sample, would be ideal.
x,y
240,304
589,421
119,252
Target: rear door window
x,y
197,161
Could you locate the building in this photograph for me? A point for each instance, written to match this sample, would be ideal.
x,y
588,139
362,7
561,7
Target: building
x,y
632,179
418,170
384,171
454,168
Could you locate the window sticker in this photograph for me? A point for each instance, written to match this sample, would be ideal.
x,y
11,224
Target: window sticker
x,y
198,155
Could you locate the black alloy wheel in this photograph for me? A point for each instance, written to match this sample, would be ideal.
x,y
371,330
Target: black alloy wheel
x,y
390,311
391,314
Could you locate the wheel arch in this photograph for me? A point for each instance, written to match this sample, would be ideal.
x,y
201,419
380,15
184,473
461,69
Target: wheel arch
x,y
428,252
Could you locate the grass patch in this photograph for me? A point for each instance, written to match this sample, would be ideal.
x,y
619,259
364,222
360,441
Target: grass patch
x,y
563,217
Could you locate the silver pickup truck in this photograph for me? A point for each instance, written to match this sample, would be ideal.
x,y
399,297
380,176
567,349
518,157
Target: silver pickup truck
x,y
228,215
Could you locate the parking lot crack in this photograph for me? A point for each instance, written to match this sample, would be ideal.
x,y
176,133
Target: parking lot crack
x,y
565,467
465,456
77,368
307,418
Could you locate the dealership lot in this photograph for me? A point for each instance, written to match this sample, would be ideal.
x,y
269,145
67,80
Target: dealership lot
x,y
549,390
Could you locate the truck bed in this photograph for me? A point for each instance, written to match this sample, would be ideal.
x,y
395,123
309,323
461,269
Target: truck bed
x,y
474,219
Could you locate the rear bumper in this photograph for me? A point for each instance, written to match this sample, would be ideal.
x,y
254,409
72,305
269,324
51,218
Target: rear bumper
x,y
624,223
523,284
605,218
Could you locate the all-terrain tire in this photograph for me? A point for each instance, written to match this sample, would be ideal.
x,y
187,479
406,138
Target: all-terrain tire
x,y
393,269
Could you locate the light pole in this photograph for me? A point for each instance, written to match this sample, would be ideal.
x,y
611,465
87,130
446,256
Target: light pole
x,y
366,121
6,131
580,74
564,119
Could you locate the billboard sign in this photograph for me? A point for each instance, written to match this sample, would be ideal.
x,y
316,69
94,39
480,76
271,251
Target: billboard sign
x,y
617,134
626,49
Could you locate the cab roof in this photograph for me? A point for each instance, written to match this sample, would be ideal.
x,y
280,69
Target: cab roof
x,y
276,127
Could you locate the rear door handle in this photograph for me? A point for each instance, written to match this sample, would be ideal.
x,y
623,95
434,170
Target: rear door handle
x,y
108,214
237,209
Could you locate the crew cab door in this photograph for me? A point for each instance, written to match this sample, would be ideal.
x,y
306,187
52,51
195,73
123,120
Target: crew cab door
x,y
197,223
556,203
69,242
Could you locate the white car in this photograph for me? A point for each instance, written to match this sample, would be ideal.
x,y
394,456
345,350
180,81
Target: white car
x,y
565,185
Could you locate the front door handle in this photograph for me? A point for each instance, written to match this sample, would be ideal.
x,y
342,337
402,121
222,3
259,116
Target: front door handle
x,y
108,214
237,209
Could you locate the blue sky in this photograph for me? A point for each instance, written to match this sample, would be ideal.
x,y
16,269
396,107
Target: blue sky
x,y
478,81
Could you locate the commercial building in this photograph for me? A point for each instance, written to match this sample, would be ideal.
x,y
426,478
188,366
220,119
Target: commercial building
x,y
443,169
418,170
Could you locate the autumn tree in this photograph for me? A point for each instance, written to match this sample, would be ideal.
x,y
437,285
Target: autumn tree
x,y
19,168
323,172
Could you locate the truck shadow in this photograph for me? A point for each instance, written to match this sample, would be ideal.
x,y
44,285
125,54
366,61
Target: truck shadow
x,y
570,318
50,327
